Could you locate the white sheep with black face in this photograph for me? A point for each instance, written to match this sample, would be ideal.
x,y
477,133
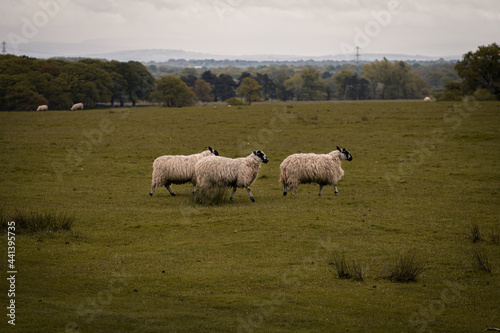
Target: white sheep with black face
x,y
231,172
177,169
323,169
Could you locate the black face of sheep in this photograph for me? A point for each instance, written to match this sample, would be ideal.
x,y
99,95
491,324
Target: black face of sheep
x,y
260,154
347,155
213,151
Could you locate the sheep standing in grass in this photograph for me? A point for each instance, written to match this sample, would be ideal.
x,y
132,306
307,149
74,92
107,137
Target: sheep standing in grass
x,y
177,169
77,106
42,108
223,171
322,169
427,99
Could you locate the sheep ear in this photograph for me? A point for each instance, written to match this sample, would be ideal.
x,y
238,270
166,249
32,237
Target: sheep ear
x,y
339,148
254,152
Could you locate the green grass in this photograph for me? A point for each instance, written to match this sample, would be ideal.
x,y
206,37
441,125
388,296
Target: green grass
x,y
420,174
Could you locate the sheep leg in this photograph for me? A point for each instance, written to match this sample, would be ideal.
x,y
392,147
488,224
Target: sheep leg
x,y
320,188
232,194
170,190
291,191
152,190
284,190
250,193
336,191
194,190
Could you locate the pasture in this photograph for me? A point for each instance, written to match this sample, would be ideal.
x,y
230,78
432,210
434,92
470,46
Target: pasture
x,y
421,174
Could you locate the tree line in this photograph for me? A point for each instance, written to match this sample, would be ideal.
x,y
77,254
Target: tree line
x,y
477,74
26,82
376,80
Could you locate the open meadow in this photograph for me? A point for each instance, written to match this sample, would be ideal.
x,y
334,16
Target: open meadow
x,y
422,175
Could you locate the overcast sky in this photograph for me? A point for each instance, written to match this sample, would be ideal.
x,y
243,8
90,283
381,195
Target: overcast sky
x,y
238,27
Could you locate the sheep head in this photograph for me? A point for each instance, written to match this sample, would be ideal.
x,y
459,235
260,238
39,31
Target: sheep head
x,y
344,154
213,151
260,154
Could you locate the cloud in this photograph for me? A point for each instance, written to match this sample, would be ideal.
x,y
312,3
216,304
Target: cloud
x,y
309,27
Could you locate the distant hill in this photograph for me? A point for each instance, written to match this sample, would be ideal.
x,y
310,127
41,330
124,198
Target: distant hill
x,y
50,49
162,55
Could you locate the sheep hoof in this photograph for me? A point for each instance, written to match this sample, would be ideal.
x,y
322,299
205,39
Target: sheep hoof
x,y
172,194
253,200
150,194
284,194
336,194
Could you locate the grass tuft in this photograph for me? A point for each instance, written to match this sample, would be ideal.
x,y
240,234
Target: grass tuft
x,y
474,232
406,268
211,197
480,259
345,271
32,222
495,237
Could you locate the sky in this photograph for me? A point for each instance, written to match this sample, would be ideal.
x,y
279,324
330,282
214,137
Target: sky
x,y
250,27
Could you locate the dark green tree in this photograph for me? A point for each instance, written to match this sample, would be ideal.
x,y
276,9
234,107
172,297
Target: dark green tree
x,y
452,92
481,70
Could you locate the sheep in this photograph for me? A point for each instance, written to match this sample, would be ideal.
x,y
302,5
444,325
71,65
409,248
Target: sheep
x,y
222,171
323,169
177,169
77,106
42,108
427,99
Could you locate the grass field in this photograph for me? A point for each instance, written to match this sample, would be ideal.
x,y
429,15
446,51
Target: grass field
x,y
421,174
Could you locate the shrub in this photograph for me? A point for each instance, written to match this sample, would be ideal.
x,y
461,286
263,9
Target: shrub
x,y
452,92
234,101
406,268
483,94
32,222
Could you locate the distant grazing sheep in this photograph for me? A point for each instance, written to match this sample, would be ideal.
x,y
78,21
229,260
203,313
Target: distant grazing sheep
x,y
42,108
427,99
177,169
323,169
77,106
223,171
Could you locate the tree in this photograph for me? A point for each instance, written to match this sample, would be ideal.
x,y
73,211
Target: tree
x,y
224,87
140,83
22,96
203,91
294,86
282,93
268,86
394,80
250,89
88,82
452,92
172,92
481,69
313,87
